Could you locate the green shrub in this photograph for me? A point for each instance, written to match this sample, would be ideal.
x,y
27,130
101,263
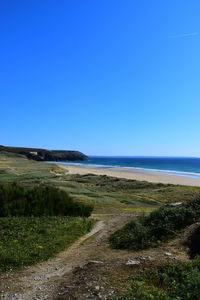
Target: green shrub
x,y
170,281
16,200
164,222
193,242
182,280
160,225
132,235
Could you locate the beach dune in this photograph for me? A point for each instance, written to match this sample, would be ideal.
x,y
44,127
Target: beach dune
x,y
134,174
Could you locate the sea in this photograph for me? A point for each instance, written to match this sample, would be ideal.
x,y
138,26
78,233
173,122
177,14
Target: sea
x,y
182,166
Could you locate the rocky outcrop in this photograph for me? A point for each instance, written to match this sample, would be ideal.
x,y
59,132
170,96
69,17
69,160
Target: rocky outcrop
x,y
46,155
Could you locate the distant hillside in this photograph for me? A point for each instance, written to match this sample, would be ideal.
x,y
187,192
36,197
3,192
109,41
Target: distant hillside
x,y
46,155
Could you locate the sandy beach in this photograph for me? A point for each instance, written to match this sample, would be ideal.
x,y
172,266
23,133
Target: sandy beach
x,y
134,174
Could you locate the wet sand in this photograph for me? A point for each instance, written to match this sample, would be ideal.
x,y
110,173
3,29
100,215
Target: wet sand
x,y
134,174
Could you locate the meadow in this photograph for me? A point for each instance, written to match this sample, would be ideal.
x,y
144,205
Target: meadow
x,y
28,239
108,195
37,220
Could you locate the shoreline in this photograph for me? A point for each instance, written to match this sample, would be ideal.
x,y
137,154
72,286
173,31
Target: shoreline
x,y
133,174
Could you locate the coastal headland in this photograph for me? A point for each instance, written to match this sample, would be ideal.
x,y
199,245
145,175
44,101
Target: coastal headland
x,y
44,154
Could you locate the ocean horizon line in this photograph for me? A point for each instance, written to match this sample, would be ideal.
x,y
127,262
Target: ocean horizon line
x,y
142,156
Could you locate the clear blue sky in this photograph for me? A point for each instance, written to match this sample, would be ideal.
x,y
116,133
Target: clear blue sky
x,y
105,77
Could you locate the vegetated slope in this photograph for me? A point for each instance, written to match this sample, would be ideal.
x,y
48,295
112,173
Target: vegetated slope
x,y
46,155
168,281
164,281
109,195
160,225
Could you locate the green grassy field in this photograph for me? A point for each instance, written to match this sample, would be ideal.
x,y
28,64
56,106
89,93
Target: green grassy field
x,y
109,195
26,240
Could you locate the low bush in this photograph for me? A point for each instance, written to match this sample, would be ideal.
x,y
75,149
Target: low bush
x,y
133,235
160,225
193,241
17,200
165,222
169,281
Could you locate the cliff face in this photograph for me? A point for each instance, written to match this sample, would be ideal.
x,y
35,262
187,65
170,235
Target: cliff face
x,y
46,155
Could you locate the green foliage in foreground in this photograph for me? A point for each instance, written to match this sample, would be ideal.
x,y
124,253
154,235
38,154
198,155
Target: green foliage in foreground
x,y
160,225
167,282
17,200
28,240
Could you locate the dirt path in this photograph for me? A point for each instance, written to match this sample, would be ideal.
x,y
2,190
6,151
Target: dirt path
x,y
89,269
42,280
